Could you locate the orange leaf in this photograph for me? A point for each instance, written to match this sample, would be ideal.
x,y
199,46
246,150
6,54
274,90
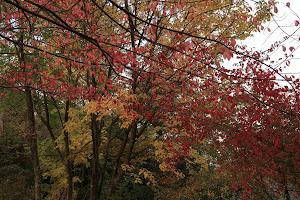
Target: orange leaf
x,y
283,48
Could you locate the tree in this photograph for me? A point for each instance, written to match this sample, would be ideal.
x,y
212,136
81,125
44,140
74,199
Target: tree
x,y
15,166
150,71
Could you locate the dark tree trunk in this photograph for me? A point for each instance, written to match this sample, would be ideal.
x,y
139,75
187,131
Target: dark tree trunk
x,y
32,125
94,190
33,145
118,175
68,164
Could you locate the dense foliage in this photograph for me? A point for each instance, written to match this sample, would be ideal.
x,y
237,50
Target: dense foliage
x,y
132,100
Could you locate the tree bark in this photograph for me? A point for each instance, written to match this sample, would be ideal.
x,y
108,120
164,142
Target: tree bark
x,y
68,164
96,128
118,177
33,145
94,190
106,155
1,126
32,125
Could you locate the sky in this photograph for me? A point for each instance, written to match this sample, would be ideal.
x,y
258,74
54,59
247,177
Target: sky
x,y
285,19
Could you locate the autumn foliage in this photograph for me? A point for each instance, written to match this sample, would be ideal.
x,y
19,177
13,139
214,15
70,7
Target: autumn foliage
x,y
113,87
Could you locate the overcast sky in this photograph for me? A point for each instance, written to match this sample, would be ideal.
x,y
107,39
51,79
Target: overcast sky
x,y
285,18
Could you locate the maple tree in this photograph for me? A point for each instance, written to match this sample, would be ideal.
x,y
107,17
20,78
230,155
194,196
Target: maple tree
x,y
126,77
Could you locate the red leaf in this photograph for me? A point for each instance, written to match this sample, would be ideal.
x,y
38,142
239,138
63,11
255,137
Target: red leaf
x,y
153,6
233,42
244,18
94,28
254,19
288,4
275,9
217,63
296,23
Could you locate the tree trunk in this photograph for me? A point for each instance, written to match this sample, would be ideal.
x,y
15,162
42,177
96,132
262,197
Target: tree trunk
x,y
68,164
106,155
33,145
32,126
116,180
96,128
1,126
69,180
94,190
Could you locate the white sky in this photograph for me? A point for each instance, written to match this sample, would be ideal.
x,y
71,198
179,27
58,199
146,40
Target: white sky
x,y
285,18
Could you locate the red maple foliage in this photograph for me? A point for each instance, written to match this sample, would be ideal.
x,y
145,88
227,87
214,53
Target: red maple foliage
x,y
81,51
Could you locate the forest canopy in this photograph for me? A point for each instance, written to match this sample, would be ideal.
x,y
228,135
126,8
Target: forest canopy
x,y
133,99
